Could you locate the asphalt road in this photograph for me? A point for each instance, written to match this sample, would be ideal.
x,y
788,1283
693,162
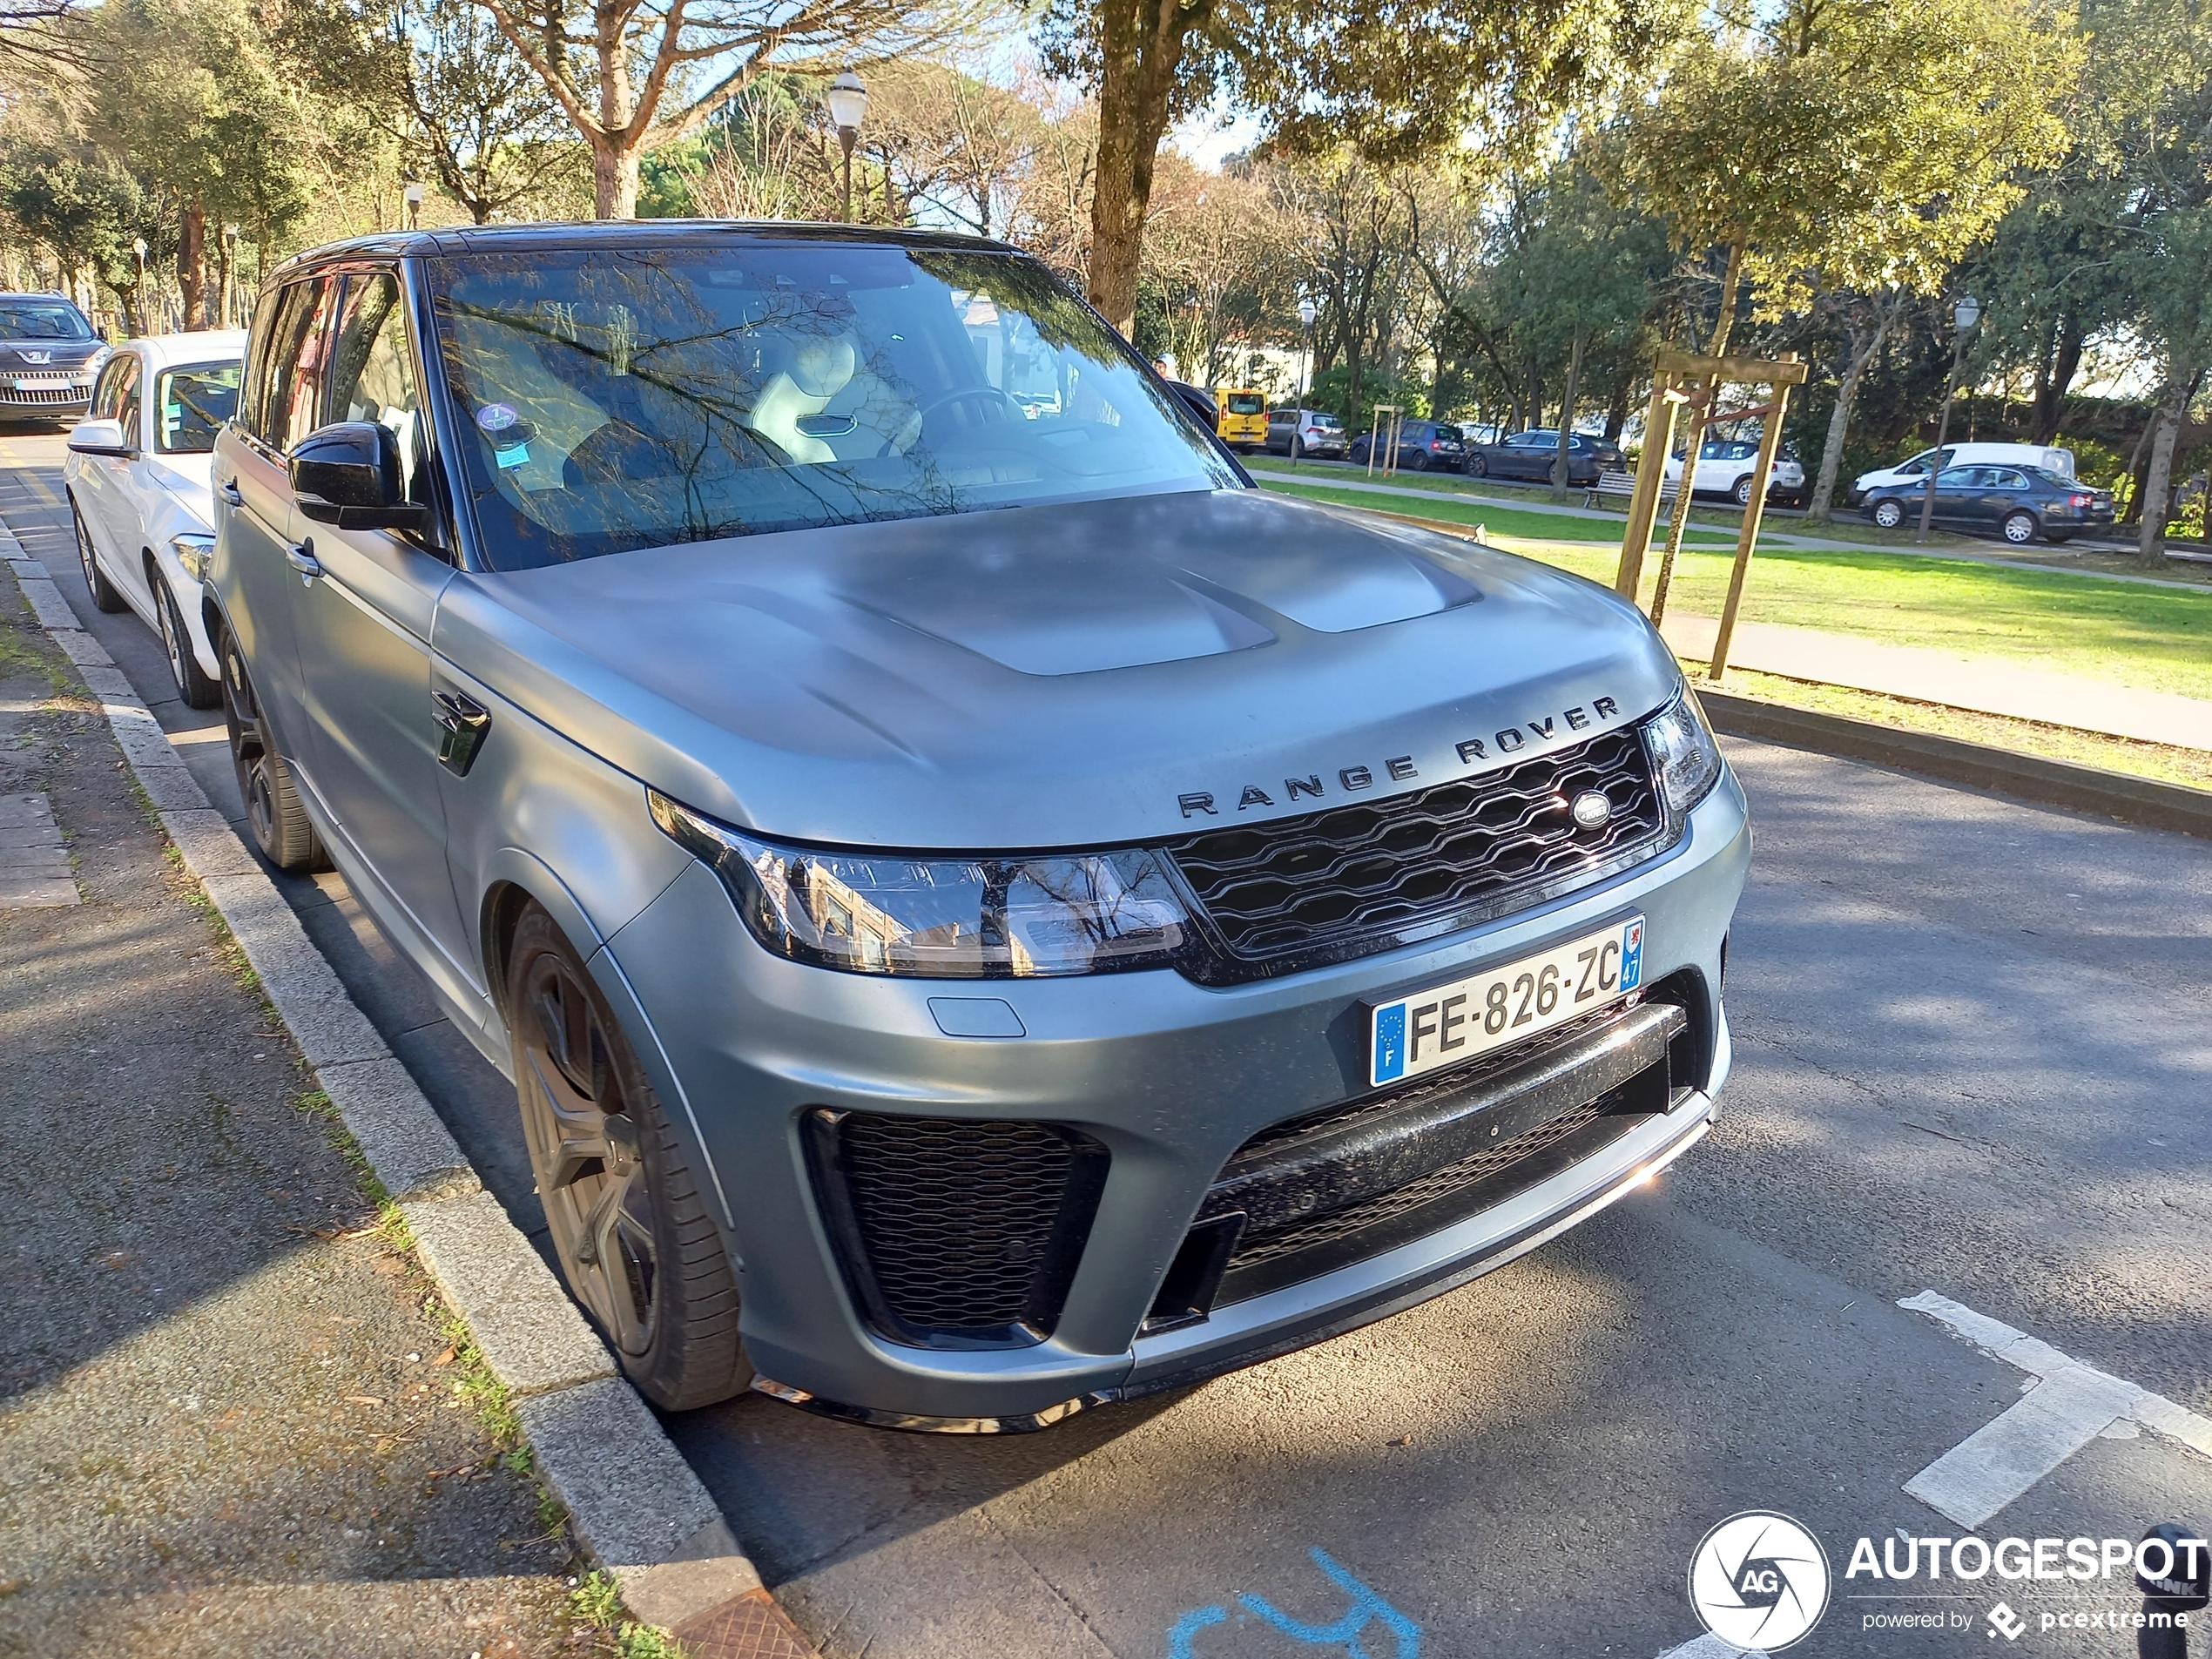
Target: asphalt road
x,y
1972,1056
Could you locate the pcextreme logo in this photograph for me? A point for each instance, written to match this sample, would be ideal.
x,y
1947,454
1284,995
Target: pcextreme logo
x,y
1759,1580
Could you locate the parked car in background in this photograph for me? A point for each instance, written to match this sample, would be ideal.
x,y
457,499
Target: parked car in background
x,y
1243,420
1725,466
1297,433
1423,446
49,353
2057,462
1472,433
137,477
1530,454
847,793
2019,502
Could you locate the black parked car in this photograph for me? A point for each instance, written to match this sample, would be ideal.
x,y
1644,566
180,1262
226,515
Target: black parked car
x,y
1422,445
2019,503
1530,454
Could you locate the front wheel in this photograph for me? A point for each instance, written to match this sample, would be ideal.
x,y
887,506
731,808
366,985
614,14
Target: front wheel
x,y
279,823
1888,514
2020,527
630,1224
192,685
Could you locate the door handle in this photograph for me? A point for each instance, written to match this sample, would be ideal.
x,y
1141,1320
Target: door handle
x,y
300,556
463,723
232,494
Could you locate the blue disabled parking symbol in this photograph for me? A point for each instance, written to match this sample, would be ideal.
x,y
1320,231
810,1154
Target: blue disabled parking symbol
x,y
1370,1627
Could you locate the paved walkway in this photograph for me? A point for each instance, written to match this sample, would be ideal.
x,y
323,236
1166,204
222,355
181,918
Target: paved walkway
x,y
1978,682
230,1425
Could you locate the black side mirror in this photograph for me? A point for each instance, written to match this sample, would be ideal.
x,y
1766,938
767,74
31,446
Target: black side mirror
x,y
348,475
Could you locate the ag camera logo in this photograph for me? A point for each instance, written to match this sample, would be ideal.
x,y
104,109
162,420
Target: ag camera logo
x,y
1759,1580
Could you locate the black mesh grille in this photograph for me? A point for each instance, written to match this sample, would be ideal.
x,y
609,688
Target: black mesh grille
x,y
43,394
1438,1183
1370,869
959,1228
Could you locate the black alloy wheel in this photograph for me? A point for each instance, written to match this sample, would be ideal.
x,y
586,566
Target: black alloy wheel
x,y
1477,467
192,685
279,823
630,1224
2020,527
104,595
1298,448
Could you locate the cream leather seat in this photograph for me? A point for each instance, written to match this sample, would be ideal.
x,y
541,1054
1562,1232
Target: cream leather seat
x,y
821,406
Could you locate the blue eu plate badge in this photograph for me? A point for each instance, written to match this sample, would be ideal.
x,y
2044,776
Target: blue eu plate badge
x,y
1447,1024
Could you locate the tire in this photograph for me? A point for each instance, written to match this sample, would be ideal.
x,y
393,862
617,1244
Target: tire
x,y
1477,467
1888,514
1742,493
1417,462
615,1182
281,830
2020,527
193,685
103,594
1298,449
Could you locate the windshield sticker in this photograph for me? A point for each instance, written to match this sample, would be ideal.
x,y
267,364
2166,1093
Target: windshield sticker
x,y
508,459
496,417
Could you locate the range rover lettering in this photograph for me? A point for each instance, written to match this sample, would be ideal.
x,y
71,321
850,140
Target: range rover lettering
x,y
986,912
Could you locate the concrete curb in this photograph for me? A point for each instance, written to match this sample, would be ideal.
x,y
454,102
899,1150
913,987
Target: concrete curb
x,y
2051,782
635,1503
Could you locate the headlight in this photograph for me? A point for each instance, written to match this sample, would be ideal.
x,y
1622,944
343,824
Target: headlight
x,y
1684,758
193,550
96,360
982,917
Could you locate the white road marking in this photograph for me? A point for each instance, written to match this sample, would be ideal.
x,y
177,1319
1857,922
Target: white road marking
x,y
1711,1647
2070,1404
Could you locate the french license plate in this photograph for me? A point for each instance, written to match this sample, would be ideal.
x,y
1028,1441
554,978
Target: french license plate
x,y
40,383
1446,1024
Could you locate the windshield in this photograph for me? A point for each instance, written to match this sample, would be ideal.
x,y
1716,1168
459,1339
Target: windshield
x,y
191,406
26,320
629,397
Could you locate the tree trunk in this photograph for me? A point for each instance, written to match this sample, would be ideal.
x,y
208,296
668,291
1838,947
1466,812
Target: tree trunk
x,y
1567,419
1141,47
192,272
1832,452
614,176
1730,283
2173,409
2050,385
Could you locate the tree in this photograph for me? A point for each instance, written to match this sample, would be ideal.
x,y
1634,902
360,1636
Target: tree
x,y
82,208
1416,78
635,75
1849,145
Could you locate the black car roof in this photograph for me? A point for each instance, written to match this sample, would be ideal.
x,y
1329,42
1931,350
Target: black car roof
x,y
625,233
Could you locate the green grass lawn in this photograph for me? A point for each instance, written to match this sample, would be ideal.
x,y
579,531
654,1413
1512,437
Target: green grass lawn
x,y
1498,521
2157,638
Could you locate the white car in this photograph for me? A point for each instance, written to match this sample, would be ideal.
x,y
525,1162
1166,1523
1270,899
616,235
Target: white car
x,y
137,474
1725,466
1914,470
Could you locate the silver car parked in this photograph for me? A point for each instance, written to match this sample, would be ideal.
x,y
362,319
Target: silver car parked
x,y
987,913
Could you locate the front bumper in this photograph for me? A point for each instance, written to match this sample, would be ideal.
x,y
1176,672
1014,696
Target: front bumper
x,y
1169,1078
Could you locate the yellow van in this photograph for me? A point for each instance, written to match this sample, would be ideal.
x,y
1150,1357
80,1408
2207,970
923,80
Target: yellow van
x,y
1242,422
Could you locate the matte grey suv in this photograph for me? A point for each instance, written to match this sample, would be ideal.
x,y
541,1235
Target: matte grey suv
x,y
986,911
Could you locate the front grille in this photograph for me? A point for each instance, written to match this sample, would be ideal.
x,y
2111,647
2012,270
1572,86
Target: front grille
x,y
957,1233
1372,873
45,395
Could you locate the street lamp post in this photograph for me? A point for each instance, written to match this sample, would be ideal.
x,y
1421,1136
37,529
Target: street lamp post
x,y
413,193
847,98
1307,311
1965,315
139,294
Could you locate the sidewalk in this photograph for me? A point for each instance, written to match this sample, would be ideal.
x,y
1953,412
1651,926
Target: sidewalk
x,y
230,1421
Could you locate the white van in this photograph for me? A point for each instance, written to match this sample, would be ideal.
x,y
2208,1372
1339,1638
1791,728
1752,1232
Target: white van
x,y
1954,454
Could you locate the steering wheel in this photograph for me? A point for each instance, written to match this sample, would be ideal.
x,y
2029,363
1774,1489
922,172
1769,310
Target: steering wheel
x,y
961,396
